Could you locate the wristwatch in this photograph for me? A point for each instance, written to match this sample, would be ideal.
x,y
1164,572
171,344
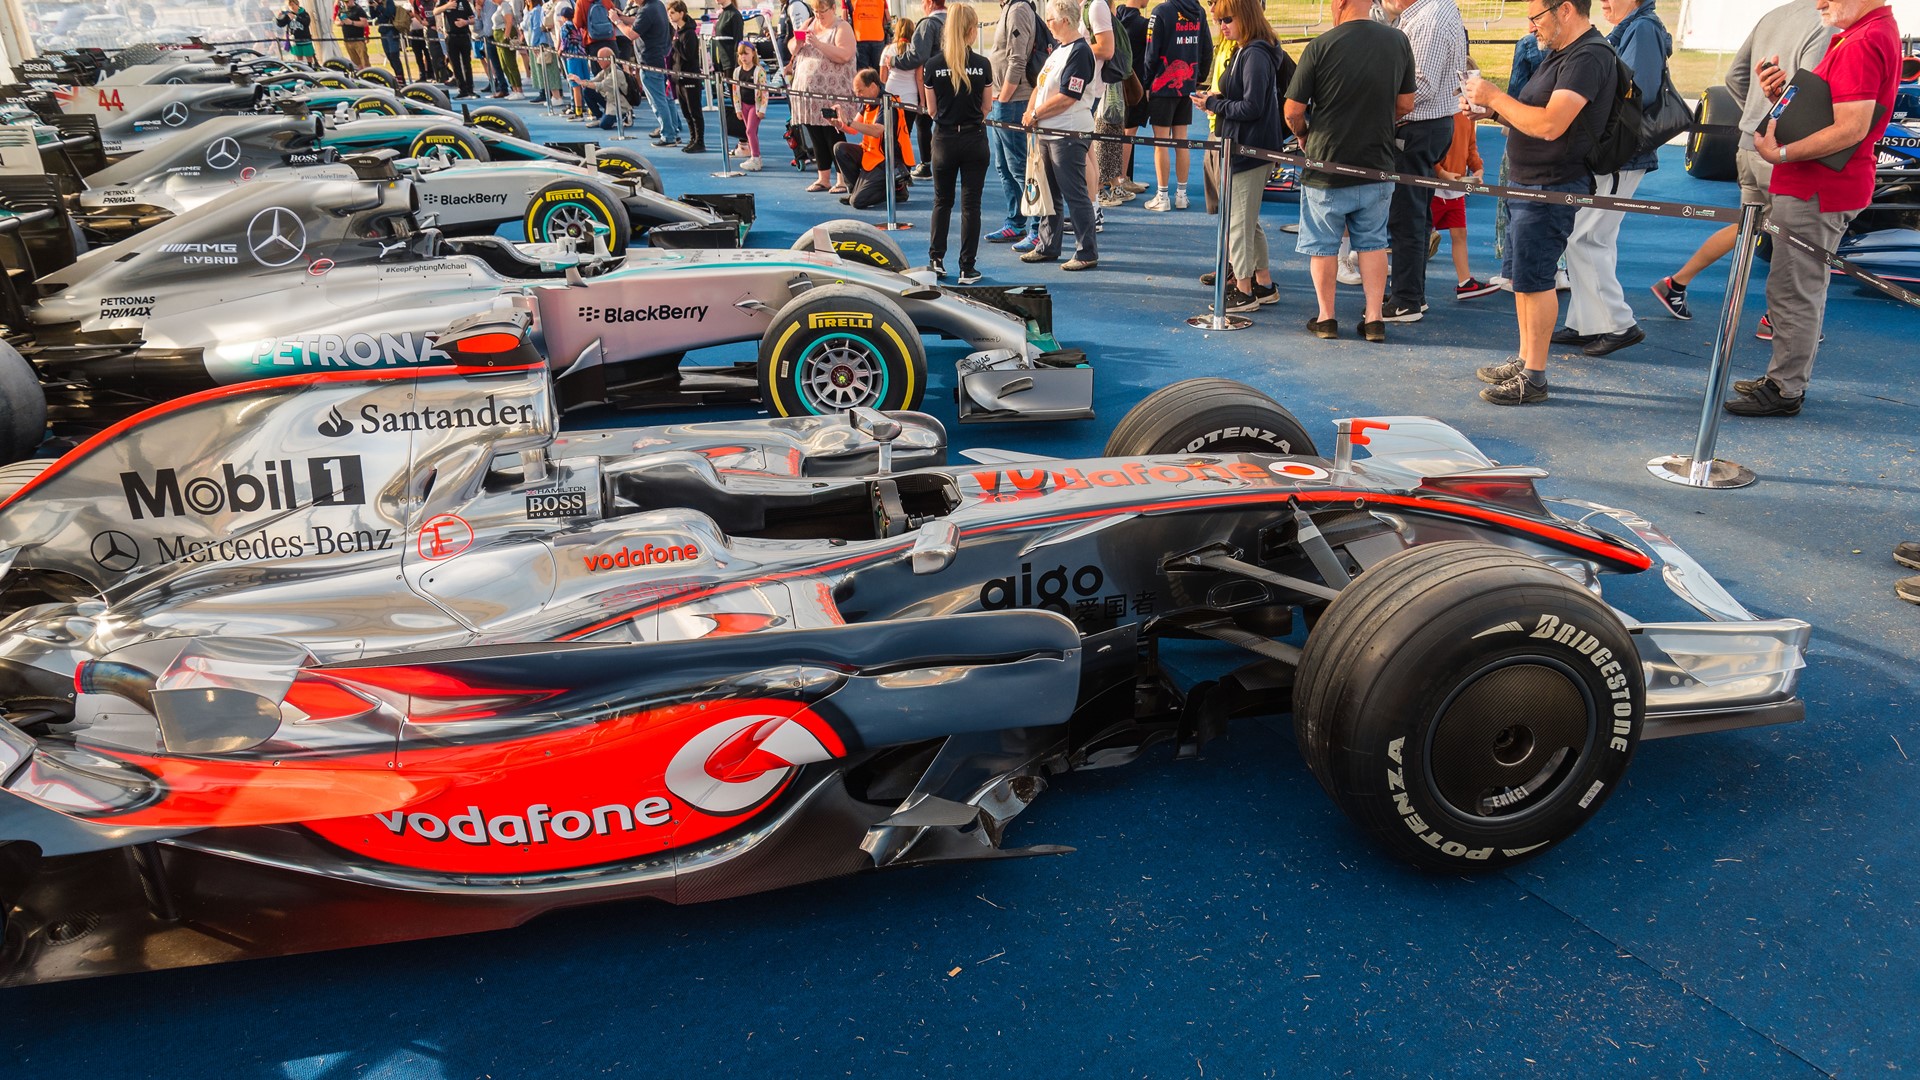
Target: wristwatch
x,y
1783,155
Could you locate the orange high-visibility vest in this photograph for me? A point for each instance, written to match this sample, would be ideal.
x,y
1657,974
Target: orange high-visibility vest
x,y
869,20
873,149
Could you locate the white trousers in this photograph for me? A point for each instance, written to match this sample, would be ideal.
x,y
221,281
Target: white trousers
x,y
1598,305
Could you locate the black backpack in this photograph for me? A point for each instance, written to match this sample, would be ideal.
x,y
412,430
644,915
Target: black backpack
x,y
1043,44
1619,139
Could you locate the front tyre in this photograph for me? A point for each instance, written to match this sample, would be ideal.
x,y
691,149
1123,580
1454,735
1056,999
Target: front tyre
x,y
23,406
1208,416
854,241
567,210
624,164
1467,705
427,94
839,347
500,121
446,143
378,75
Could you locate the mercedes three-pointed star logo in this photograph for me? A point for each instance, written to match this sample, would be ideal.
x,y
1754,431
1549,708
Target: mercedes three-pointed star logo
x,y
174,114
276,236
115,551
223,154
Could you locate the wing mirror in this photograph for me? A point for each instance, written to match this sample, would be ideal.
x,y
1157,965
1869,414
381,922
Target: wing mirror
x,y
934,547
879,427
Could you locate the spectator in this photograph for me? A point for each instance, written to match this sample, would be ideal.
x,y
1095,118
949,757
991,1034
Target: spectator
x,y
927,35
1210,161
1096,27
1129,20
1012,44
353,32
542,63
607,91
1793,37
1450,207
750,90
595,20
959,83
1526,57
394,20
683,59
863,165
1062,102
1358,78
1598,318
729,30
573,56
457,27
502,29
822,72
1247,110
417,24
652,34
1553,123
1439,41
299,27
869,32
1862,66
900,82
1110,120
1179,54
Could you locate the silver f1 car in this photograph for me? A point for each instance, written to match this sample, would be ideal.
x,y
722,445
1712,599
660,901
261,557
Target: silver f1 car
x,y
381,652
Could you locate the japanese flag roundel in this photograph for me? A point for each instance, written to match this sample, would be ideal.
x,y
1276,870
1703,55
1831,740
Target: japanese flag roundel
x,y
737,763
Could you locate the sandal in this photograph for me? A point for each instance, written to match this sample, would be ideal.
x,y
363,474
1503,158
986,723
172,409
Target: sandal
x,y
816,186
837,189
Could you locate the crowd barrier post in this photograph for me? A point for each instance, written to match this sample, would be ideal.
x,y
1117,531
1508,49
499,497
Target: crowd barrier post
x,y
720,121
887,143
1219,319
1702,469
620,120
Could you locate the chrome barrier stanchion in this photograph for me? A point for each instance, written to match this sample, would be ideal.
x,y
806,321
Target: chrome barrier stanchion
x,y
720,103
1219,319
1701,469
620,115
887,142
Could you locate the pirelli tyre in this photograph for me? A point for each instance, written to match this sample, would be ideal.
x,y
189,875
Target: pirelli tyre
x,y
427,94
1208,416
374,105
854,242
568,210
1468,705
623,164
1712,150
447,143
496,119
378,75
23,406
328,80
340,66
839,347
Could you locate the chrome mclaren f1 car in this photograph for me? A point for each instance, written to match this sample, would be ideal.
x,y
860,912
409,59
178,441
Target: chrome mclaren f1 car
x,y
381,652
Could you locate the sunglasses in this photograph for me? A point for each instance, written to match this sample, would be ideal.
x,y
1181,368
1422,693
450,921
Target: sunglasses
x,y
1226,20
1534,19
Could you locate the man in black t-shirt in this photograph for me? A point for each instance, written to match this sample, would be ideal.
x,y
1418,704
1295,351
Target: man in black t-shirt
x,y
1358,79
353,32
1553,125
457,26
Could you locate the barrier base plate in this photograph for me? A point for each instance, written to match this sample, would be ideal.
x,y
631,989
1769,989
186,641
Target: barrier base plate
x,y
1220,322
898,226
1680,469
728,173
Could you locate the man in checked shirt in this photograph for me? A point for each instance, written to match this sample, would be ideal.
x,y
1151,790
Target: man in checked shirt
x,y
1439,40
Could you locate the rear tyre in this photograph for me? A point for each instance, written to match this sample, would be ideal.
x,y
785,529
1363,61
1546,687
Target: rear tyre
x,y
1712,151
627,165
23,406
444,142
567,210
496,119
374,105
861,350
1214,416
1467,705
378,75
427,94
855,242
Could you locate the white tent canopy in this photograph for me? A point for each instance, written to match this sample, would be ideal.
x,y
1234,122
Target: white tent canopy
x,y
1721,25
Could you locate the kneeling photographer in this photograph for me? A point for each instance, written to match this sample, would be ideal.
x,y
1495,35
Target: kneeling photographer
x,y
863,163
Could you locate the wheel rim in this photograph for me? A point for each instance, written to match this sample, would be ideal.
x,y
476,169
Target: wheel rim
x,y
568,219
841,372
1509,739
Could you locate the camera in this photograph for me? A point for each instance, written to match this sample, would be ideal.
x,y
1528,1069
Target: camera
x,y
829,112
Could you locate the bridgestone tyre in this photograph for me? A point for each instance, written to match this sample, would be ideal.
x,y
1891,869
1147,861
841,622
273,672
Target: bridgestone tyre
x,y
856,242
1208,416
567,209
449,142
23,406
378,75
427,94
1467,705
504,121
624,164
1715,143
374,105
838,347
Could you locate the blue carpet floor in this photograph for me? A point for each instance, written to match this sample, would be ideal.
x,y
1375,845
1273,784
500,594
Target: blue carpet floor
x,y
1748,905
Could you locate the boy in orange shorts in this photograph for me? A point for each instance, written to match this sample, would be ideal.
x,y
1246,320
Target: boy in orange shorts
x,y
1450,207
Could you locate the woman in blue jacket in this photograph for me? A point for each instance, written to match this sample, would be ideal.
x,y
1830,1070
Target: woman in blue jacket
x,y
1246,109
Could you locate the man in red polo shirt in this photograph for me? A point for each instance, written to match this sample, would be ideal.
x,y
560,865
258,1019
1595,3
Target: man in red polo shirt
x,y
1862,66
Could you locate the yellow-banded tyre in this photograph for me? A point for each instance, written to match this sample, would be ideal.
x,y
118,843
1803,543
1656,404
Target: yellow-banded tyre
x,y
332,82
566,210
444,142
378,75
854,242
374,105
1468,705
623,164
498,120
427,94
839,347
340,66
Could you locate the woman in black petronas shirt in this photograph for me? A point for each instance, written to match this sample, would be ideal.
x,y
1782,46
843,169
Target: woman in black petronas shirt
x,y
683,59
957,83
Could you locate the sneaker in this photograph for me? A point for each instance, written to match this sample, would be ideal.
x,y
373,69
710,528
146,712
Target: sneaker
x,y
1396,312
1672,297
1099,220
969,276
1495,374
921,172
1207,279
1266,294
1907,554
741,151
666,142
1134,186
1026,245
1078,264
1908,589
1113,197
1032,256
1375,331
1180,198
752,164
1614,342
1745,387
655,133
1765,330
1472,287
1433,245
939,271
1349,272
1005,234
1561,282
694,148
1504,284
1515,391
1567,335
1765,400
1239,301
1159,204
1324,328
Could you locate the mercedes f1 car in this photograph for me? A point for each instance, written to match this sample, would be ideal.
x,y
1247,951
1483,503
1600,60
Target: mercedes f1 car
x,y
380,652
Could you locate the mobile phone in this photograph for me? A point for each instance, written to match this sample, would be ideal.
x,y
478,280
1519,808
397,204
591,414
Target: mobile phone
x,y
829,112
1781,105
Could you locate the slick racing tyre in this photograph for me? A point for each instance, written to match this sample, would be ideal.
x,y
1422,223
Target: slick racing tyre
x,y
1209,415
1468,705
854,242
23,406
1715,143
569,210
378,75
837,347
496,119
340,66
627,165
445,142
332,82
374,105
427,94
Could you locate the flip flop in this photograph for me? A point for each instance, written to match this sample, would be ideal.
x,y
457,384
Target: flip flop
x,y
816,186
837,189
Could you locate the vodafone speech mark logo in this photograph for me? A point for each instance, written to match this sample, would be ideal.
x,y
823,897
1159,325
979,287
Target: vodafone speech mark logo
x,y
737,763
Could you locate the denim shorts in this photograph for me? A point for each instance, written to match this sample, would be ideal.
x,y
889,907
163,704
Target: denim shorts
x,y
1327,214
1537,235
